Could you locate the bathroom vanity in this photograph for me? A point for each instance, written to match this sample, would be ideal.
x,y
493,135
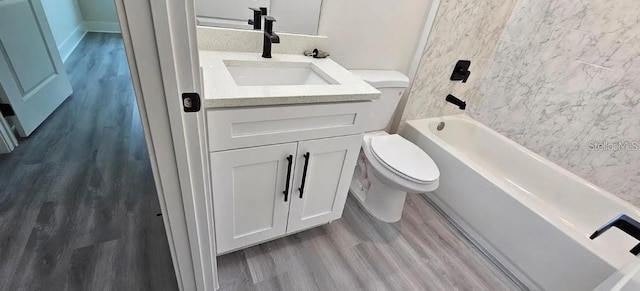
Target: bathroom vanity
x,y
283,137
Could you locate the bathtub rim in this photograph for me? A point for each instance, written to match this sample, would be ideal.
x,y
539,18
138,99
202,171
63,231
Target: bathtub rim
x,y
540,207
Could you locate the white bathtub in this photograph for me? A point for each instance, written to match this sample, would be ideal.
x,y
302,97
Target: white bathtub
x,y
534,217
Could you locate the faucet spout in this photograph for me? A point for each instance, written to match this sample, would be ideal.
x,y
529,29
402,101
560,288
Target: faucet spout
x,y
270,37
455,101
273,37
625,223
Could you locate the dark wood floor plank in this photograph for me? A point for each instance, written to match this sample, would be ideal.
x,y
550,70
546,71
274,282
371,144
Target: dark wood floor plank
x,y
77,199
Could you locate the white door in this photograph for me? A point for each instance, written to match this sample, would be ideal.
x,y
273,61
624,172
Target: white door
x,y
320,198
32,76
251,194
224,13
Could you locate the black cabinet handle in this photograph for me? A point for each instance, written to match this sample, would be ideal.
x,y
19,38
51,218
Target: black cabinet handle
x,y
304,173
286,188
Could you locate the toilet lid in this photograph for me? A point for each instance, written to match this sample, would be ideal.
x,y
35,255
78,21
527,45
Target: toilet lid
x,y
405,158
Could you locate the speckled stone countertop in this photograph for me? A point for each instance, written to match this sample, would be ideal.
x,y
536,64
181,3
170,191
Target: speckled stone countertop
x,y
220,89
240,40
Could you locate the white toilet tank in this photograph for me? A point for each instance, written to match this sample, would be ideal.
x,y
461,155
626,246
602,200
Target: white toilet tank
x,y
392,84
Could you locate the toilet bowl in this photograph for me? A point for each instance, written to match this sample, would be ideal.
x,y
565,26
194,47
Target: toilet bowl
x,y
389,166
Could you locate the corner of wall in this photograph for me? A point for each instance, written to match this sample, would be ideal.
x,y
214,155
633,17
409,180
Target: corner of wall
x,y
421,44
475,41
102,26
65,23
72,41
99,16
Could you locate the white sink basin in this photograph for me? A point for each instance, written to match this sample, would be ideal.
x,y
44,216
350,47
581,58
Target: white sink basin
x,y
249,73
241,79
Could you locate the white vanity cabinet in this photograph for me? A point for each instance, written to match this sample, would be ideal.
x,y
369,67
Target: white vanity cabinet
x,y
323,172
248,199
290,172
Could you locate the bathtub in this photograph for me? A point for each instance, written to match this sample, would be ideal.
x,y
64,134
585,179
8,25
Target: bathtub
x,y
531,216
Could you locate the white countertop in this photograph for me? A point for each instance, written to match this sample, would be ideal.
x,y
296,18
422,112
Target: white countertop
x,y
220,89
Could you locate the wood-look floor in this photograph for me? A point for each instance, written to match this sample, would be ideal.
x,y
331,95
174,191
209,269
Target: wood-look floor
x,y
78,212
421,252
77,200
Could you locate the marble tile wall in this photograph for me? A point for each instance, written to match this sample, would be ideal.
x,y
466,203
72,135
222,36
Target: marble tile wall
x,y
463,29
563,74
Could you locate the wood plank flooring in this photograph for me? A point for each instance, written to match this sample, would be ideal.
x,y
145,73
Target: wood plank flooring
x,y
77,200
78,212
421,252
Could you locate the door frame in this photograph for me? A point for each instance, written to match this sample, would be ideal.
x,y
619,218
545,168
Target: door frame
x,y
8,140
160,41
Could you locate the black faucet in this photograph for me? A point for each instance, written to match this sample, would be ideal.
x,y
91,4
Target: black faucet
x,y
257,17
457,102
270,37
624,223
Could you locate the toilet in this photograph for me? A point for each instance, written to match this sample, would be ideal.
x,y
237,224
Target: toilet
x,y
389,166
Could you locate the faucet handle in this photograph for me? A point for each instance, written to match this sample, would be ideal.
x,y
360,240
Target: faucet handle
x,y
257,14
466,76
461,71
262,10
268,23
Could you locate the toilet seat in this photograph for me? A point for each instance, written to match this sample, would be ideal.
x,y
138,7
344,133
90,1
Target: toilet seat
x,y
404,158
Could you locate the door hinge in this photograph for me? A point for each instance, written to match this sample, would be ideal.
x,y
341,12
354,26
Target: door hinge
x,y
191,102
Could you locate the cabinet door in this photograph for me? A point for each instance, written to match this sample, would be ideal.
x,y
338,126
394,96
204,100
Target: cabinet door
x,y
248,199
329,168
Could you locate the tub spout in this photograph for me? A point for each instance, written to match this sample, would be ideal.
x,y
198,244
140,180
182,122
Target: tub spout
x,y
625,223
457,102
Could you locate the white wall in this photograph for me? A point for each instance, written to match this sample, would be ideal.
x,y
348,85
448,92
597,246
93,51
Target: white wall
x,y
66,24
99,15
373,34
295,16
69,20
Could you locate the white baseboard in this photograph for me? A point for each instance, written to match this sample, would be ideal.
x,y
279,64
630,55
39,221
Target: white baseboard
x,y
72,41
99,26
